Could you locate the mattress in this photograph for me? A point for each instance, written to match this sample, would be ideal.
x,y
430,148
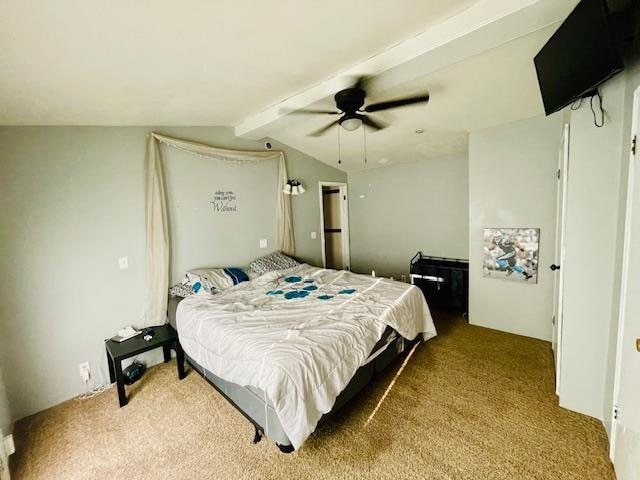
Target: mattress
x,y
298,336
172,306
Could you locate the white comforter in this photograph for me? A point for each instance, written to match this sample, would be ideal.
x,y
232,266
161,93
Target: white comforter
x,y
299,335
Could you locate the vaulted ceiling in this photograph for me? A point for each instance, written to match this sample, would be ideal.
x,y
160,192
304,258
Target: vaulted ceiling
x,y
492,88
195,62
243,63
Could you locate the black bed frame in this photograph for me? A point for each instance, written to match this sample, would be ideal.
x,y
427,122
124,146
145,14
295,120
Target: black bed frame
x,y
355,386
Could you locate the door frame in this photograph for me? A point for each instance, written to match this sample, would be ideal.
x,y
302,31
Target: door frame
x,y
624,282
344,212
5,474
561,216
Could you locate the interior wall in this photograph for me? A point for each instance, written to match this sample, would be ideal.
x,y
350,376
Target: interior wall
x,y
6,420
306,207
398,210
512,183
632,82
72,202
591,250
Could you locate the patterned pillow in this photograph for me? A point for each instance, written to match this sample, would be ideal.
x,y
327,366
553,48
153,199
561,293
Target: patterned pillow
x,y
181,290
206,281
273,261
212,280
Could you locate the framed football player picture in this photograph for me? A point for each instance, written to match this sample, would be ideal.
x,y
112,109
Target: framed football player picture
x,y
511,254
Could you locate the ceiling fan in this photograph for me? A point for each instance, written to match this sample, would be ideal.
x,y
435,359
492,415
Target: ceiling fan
x,y
349,104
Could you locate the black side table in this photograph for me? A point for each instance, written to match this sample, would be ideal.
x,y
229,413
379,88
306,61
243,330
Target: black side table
x,y
164,336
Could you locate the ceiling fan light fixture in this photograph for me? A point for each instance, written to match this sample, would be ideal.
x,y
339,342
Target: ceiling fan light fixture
x,y
351,123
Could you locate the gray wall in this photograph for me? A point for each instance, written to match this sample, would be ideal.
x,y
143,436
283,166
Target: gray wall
x,y
306,207
72,202
199,234
512,183
397,210
6,420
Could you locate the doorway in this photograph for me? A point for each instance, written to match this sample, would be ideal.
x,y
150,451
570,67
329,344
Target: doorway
x,y
625,418
334,225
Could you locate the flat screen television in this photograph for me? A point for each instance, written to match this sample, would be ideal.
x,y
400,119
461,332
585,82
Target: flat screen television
x,y
579,56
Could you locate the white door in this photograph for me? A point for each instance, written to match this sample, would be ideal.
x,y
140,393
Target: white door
x,y
625,422
334,225
561,204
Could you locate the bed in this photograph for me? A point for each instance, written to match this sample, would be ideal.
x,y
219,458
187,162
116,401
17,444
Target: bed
x,y
292,346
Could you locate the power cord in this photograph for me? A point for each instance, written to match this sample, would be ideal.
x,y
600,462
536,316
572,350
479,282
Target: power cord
x,y
95,391
595,119
100,388
578,103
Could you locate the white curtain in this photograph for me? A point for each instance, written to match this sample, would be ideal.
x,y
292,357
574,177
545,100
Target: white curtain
x,y
158,242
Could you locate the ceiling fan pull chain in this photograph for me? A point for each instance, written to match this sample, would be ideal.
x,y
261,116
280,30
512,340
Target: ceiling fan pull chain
x,y
364,134
339,153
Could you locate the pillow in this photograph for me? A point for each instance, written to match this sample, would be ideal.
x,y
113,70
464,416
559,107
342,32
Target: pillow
x,y
236,275
200,284
181,290
273,261
212,280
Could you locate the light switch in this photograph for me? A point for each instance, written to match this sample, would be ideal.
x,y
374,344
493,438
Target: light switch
x,y
314,235
263,243
123,262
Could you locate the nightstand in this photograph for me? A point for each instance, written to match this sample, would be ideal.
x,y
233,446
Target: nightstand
x,y
164,336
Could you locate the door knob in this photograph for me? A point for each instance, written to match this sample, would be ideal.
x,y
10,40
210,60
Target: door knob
x,y
638,344
554,267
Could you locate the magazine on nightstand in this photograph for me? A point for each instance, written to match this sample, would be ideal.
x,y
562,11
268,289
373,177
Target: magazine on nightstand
x,y
125,334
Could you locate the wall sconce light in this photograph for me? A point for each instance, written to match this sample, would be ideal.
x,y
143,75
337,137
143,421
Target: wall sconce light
x,y
293,187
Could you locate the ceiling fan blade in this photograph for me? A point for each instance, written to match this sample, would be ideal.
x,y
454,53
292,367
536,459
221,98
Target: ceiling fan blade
x,y
375,124
375,107
322,130
304,111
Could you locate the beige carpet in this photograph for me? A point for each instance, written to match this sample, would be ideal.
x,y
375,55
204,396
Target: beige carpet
x,y
471,404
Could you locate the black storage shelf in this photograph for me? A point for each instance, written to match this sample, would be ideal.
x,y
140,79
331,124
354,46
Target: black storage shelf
x,y
444,281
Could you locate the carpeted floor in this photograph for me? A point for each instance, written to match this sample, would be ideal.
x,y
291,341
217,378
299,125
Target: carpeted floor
x,y
472,403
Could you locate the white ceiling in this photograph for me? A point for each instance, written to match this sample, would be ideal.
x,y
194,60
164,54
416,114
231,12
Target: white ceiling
x,y
233,62
196,62
492,88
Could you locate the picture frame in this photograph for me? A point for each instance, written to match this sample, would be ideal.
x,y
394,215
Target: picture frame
x,y
511,254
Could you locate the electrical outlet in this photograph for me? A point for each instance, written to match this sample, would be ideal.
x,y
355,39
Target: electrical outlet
x,y
314,235
123,262
263,243
85,371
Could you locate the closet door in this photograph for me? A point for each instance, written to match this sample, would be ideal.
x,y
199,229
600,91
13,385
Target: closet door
x,y
561,205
